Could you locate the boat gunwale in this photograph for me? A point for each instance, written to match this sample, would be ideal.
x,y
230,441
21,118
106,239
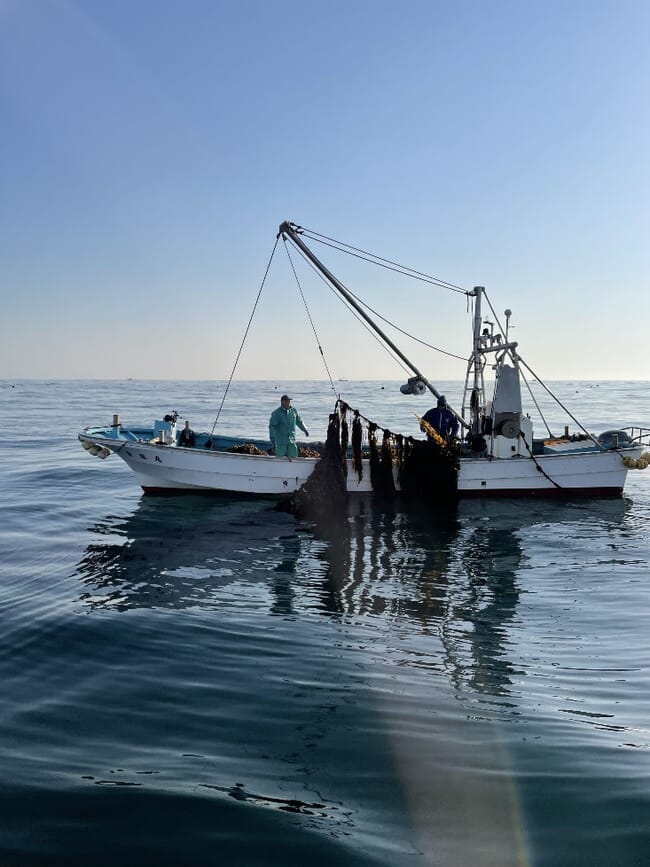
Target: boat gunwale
x,y
115,445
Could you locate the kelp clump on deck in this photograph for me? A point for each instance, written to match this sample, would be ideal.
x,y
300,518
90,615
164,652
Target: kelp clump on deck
x,y
424,469
307,452
246,449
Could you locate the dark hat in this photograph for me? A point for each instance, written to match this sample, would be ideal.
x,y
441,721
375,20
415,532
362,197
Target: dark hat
x,y
442,400
285,397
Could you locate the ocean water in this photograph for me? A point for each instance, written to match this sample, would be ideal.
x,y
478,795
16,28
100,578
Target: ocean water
x,y
191,680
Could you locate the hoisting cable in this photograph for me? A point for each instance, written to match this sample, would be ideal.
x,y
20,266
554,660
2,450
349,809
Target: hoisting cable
x,y
311,321
232,373
378,260
355,314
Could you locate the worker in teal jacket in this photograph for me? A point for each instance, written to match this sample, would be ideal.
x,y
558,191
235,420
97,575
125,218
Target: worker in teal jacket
x,y
282,429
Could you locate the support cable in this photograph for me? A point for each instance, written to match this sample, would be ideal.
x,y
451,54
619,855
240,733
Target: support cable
x,y
405,333
532,397
232,373
545,387
496,318
396,327
379,260
561,405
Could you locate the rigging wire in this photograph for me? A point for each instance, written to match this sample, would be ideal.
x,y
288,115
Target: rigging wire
x,y
400,269
311,321
232,373
544,386
388,321
406,271
559,402
532,397
405,333
496,318
354,313
347,248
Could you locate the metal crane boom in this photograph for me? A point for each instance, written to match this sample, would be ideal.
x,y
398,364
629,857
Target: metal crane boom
x,y
292,232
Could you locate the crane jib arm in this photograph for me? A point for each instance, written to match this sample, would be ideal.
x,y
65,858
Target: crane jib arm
x,y
292,232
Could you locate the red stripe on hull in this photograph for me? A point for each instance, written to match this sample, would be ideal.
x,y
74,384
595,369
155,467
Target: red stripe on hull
x,y
546,493
207,492
562,493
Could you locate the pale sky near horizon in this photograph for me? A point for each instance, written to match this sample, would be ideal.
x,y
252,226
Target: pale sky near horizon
x,y
149,151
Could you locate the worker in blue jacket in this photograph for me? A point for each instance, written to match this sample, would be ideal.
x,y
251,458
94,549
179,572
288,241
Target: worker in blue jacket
x,y
282,429
442,419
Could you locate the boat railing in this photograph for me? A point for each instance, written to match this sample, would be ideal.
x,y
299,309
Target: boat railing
x,y
639,435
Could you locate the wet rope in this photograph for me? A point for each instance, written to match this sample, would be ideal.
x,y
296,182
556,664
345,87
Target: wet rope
x,y
535,461
232,373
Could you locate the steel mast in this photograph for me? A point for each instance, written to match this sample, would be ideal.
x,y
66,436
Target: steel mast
x,y
477,398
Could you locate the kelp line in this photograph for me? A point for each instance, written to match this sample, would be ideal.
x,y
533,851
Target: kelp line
x,y
425,469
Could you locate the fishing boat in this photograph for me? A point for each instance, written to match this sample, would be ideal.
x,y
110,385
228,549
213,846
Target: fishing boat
x,y
496,453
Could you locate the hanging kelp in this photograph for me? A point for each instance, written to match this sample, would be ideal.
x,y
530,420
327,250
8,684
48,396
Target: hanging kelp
x,y
429,469
373,457
357,445
388,458
324,494
344,438
425,469
429,472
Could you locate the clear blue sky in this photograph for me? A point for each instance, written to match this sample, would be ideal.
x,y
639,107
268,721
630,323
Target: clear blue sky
x,y
149,151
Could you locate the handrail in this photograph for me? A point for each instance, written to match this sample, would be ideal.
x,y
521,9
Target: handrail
x,y
643,436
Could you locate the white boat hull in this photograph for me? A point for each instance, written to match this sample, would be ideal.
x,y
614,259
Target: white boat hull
x,y
162,468
589,472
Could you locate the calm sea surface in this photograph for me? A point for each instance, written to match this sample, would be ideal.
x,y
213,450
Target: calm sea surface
x,y
191,680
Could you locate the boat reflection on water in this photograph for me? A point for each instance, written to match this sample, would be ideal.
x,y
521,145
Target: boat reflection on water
x,y
427,605
185,552
453,574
